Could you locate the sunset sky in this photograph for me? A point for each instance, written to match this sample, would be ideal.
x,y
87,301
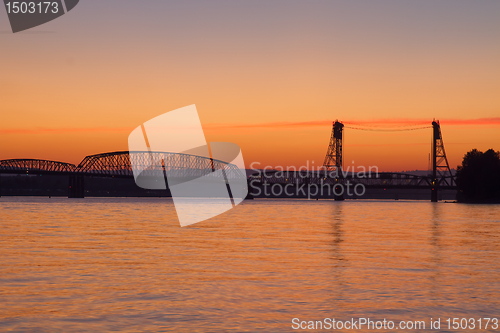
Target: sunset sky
x,y
270,76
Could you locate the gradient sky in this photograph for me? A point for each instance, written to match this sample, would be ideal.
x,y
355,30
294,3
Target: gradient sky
x,y
269,75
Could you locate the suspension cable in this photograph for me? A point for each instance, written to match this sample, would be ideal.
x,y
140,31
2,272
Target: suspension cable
x,y
387,129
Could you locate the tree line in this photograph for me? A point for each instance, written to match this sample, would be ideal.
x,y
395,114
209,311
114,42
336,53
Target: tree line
x,y
478,178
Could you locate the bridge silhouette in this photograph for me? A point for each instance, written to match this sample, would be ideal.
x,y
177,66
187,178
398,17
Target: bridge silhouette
x,y
185,166
441,177
118,165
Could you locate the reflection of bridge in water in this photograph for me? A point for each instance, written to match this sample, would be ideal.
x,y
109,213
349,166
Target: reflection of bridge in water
x,y
118,165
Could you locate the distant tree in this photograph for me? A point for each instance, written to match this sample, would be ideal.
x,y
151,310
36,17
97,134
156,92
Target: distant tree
x,y
478,178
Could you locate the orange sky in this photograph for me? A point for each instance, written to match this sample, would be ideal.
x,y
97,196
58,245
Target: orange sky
x,y
269,77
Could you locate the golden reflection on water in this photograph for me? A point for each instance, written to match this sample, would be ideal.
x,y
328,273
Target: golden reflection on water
x,y
125,264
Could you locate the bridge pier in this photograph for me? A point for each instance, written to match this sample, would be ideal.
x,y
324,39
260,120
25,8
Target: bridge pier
x,y
335,196
434,194
338,197
76,187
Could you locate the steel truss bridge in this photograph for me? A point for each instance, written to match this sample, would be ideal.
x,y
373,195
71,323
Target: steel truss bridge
x,y
440,177
118,164
369,180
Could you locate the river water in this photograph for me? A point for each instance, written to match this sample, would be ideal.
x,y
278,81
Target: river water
x,y
125,264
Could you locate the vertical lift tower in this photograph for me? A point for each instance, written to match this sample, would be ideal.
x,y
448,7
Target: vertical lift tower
x,y
333,159
440,166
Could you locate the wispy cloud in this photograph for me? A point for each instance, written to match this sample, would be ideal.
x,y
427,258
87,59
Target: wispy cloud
x,y
283,124
63,130
470,122
376,123
386,123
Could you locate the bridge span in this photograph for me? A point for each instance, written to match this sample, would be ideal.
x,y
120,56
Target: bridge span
x,y
118,165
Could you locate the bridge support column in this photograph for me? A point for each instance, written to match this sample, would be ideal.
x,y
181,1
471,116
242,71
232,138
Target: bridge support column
x,y
76,187
333,159
434,194
338,197
435,136
440,165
